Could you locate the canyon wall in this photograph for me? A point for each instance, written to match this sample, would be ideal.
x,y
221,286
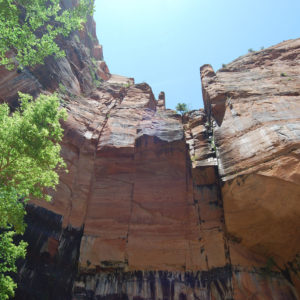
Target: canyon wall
x,y
256,102
161,206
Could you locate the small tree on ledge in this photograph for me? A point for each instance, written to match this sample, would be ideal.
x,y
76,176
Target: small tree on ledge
x,y
182,108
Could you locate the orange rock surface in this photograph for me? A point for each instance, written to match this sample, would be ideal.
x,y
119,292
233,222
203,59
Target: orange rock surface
x,y
256,102
161,206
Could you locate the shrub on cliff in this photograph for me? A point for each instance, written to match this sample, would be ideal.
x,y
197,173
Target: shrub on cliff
x,y
182,108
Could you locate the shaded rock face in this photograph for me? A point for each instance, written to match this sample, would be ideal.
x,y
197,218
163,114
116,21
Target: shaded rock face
x,y
159,206
52,255
213,284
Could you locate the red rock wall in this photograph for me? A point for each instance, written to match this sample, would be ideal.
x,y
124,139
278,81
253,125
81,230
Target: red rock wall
x,y
156,206
256,102
146,214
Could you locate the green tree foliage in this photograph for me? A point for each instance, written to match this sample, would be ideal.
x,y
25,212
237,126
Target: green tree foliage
x,y
29,138
182,108
9,253
29,159
29,28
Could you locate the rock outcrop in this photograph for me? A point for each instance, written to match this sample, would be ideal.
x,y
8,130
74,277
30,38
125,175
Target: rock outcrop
x,y
160,206
256,102
78,72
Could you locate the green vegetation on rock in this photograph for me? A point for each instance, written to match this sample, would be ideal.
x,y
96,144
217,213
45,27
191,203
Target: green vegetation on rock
x,y
28,29
30,136
181,108
9,253
29,160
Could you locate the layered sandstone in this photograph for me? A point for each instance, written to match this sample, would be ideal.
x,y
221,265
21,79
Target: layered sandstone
x,y
256,102
151,226
160,206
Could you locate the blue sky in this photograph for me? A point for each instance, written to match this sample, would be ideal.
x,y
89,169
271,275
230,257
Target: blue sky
x,y
164,42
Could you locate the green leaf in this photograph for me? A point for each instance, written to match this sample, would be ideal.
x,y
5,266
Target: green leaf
x,y
29,161
31,36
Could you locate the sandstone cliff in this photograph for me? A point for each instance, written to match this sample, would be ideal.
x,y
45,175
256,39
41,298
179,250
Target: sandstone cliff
x,y
156,206
256,102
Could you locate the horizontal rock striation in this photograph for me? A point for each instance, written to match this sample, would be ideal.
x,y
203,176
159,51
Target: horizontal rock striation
x,y
256,102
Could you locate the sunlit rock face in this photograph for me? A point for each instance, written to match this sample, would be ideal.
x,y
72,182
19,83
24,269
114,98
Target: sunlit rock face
x,y
144,192
258,108
161,206
152,214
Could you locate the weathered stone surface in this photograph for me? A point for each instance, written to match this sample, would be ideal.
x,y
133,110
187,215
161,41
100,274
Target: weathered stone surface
x,y
161,102
98,52
51,265
13,81
77,72
102,70
206,192
258,153
250,285
162,206
118,79
128,182
214,94
156,285
145,185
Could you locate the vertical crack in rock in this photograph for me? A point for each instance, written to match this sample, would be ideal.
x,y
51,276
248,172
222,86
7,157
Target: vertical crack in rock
x,y
258,170
206,194
129,223
103,125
